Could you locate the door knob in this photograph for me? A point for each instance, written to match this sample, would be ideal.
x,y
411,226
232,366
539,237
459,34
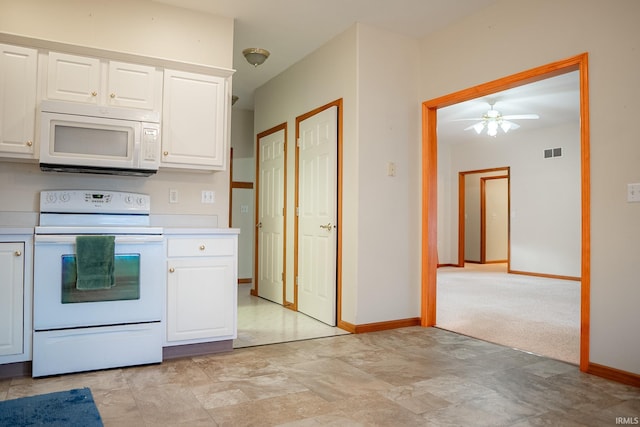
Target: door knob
x,y
171,270
326,226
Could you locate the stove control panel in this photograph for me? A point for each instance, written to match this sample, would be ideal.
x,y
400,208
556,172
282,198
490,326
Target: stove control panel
x,y
94,201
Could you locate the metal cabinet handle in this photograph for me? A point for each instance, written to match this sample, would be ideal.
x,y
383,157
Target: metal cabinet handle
x,y
172,270
166,153
18,253
326,226
202,248
94,93
29,143
113,95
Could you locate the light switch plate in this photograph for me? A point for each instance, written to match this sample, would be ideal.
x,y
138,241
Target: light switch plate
x,y
633,193
391,169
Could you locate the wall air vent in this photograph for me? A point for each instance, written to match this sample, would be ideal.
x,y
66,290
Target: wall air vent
x,y
552,152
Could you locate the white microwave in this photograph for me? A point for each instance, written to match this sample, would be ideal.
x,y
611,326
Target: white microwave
x,y
93,139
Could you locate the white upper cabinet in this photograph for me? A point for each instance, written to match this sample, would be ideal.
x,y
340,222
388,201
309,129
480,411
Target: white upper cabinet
x,y
194,121
18,83
133,86
73,78
113,83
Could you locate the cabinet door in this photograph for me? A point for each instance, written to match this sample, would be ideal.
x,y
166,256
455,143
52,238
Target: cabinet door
x,y
73,78
193,121
132,86
11,298
201,299
18,67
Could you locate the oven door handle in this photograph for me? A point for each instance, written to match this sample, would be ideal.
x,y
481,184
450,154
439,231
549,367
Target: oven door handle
x,y
123,239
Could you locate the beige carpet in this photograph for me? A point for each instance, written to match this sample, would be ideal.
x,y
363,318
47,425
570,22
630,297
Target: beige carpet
x,y
534,314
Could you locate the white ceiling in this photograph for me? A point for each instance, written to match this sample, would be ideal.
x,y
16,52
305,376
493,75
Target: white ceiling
x,y
291,29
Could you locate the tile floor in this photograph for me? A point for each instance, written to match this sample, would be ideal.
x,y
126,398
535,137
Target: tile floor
x,y
404,377
264,322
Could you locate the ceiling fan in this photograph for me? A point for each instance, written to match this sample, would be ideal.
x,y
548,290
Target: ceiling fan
x,y
493,120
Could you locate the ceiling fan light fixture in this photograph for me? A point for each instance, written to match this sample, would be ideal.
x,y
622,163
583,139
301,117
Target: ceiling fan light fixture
x,y
478,127
255,55
492,128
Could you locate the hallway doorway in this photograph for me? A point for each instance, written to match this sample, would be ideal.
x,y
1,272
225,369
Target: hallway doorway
x,y
430,183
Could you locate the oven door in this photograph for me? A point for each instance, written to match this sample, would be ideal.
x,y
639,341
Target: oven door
x,y
136,297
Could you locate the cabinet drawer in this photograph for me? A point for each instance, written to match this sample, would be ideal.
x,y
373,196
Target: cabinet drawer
x,y
203,246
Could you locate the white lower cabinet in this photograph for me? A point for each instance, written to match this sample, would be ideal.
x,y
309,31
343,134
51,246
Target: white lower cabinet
x,y
11,297
201,289
16,254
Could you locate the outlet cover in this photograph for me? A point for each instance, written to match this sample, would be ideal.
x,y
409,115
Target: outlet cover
x,y
208,197
173,196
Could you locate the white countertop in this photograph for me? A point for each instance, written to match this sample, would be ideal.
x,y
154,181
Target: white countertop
x,y
23,223
5,231
199,230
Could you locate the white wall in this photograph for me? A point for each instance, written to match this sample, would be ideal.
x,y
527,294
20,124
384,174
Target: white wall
x,y
545,196
243,199
242,141
324,76
541,32
137,27
375,72
389,217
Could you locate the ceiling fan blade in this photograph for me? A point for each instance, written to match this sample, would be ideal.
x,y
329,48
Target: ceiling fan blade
x,y
521,117
462,120
471,127
512,126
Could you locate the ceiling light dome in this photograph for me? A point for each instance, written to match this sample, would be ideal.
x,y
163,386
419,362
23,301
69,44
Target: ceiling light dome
x,y
255,55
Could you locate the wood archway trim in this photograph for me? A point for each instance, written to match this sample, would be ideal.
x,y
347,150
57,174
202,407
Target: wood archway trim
x,y
429,260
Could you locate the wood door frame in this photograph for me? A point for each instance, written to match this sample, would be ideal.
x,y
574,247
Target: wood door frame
x,y
462,176
429,257
254,290
483,218
337,103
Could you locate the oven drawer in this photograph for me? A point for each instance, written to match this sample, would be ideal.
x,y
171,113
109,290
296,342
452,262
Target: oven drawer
x,y
201,246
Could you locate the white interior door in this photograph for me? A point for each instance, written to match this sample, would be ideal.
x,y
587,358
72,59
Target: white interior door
x,y
496,216
271,167
317,215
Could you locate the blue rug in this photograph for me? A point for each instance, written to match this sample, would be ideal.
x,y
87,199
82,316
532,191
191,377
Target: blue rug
x,y
64,409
